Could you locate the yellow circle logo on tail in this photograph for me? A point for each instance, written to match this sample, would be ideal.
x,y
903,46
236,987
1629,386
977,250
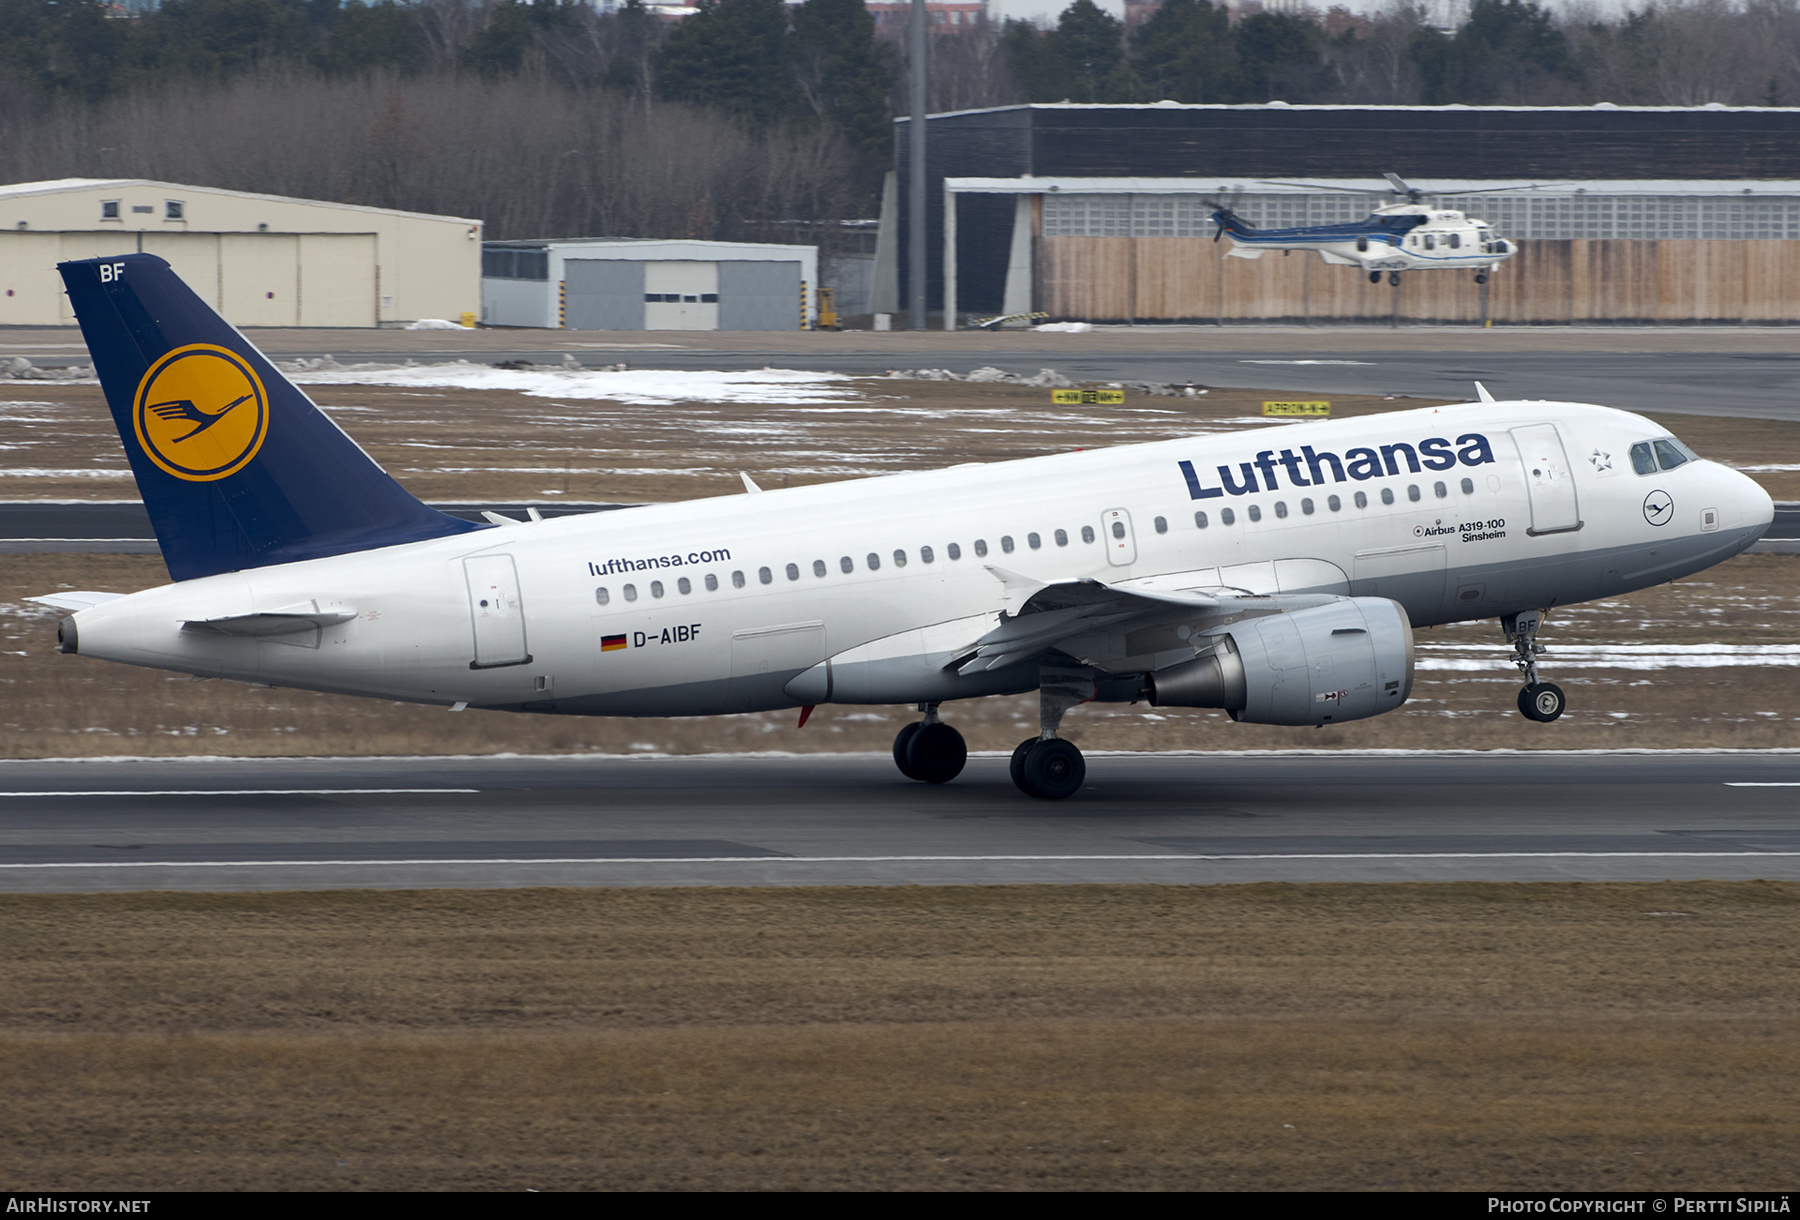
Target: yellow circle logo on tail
x,y
201,413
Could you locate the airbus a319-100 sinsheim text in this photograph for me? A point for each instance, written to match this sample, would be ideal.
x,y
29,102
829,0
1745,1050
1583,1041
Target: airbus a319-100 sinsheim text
x,y
1275,574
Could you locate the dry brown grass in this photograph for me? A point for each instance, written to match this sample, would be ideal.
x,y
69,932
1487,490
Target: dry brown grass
x,y
447,444
1469,1036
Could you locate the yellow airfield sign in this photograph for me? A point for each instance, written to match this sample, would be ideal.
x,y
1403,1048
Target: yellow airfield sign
x,y
1297,408
1076,397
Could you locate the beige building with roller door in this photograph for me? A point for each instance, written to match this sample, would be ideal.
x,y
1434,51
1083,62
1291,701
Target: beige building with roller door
x,y
260,260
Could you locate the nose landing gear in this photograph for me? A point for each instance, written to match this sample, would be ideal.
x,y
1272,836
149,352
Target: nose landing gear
x,y
930,750
1538,701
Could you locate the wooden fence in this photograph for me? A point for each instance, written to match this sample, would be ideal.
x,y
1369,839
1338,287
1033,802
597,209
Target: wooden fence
x,y
1182,279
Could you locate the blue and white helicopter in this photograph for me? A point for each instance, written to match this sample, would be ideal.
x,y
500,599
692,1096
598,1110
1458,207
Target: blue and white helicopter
x,y
1406,236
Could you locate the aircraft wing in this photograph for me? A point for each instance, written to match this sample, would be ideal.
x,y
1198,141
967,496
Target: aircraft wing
x,y
1132,624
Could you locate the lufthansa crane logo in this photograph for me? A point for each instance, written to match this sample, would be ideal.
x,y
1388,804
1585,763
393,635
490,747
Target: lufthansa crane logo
x,y
201,413
1659,508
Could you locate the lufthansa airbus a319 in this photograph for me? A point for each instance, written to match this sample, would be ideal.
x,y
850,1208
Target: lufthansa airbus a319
x,y
1277,574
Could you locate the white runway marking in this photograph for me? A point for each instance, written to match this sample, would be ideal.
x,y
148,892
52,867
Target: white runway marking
x,y
1430,855
250,792
1752,783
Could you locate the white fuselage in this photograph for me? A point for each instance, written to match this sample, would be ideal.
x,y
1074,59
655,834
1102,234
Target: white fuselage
x,y
725,605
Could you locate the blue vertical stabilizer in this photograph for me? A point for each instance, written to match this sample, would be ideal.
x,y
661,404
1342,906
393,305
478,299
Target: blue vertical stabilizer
x,y
237,467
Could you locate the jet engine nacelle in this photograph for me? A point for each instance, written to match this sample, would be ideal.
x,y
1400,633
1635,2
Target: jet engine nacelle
x,y
1346,660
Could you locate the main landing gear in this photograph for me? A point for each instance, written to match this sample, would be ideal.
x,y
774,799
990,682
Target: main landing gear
x,y
1046,766
930,750
1539,701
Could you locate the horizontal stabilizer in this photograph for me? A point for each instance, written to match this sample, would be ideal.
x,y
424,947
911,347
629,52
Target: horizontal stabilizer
x,y
73,600
286,621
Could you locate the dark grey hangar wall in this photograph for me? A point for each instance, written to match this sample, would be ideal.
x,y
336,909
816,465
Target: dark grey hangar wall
x,y
1245,145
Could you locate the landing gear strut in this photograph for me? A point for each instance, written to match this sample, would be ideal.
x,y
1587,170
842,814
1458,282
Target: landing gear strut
x,y
1539,701
930,750
1046,766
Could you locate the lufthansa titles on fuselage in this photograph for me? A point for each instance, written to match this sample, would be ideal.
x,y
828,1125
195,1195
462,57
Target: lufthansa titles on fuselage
x,y
1309,467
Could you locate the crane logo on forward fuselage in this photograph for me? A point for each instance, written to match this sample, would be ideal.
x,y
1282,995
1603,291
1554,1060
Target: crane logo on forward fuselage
x,y
201,413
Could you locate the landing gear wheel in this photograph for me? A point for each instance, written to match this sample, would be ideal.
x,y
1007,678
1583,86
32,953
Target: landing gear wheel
x,y
1481,277
1053,770
935,754
1394,278
1374,277
902,739
1542,702
1018,762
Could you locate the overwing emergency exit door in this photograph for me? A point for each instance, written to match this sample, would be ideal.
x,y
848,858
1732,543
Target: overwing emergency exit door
x,y
497,611
1115,532
1549,480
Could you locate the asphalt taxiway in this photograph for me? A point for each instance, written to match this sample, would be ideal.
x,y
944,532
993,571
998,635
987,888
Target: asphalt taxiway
x,y
835,820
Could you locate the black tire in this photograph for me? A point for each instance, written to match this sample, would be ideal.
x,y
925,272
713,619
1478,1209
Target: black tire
x,y
1525,708
1394,278
1481,277
1018,764
1547,701
936,754
1054,770
1374,277
902,739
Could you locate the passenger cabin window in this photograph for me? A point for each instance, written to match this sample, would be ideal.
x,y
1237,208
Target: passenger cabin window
x,y
874,562
1200,521
954,551
656,589
764,575
1333,503
1062,537
1439,490
1468,487
712,583
1387,495
899,559
1033,541
1412,492
1256,512
685,586
980,547
793,571
1281,508
1306,507
602,596
1006,543
847,565
1227,517
818,567
1362,499
737,580
925,555
630,593
1161,523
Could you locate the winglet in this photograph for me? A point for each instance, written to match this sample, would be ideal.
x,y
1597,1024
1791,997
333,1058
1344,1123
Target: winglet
x,y
750,486
237,467
1482,394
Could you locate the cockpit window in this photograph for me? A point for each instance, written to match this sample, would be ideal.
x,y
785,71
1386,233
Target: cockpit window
x,y
1671,453
1642,460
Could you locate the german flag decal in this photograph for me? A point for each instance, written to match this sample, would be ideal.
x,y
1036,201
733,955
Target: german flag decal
x,y
611,643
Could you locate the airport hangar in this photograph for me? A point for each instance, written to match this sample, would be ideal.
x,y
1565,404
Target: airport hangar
x,y
627,283
1665,215
260,260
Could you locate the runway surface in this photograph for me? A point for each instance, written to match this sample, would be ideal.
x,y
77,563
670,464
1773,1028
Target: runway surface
x,y
835,820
